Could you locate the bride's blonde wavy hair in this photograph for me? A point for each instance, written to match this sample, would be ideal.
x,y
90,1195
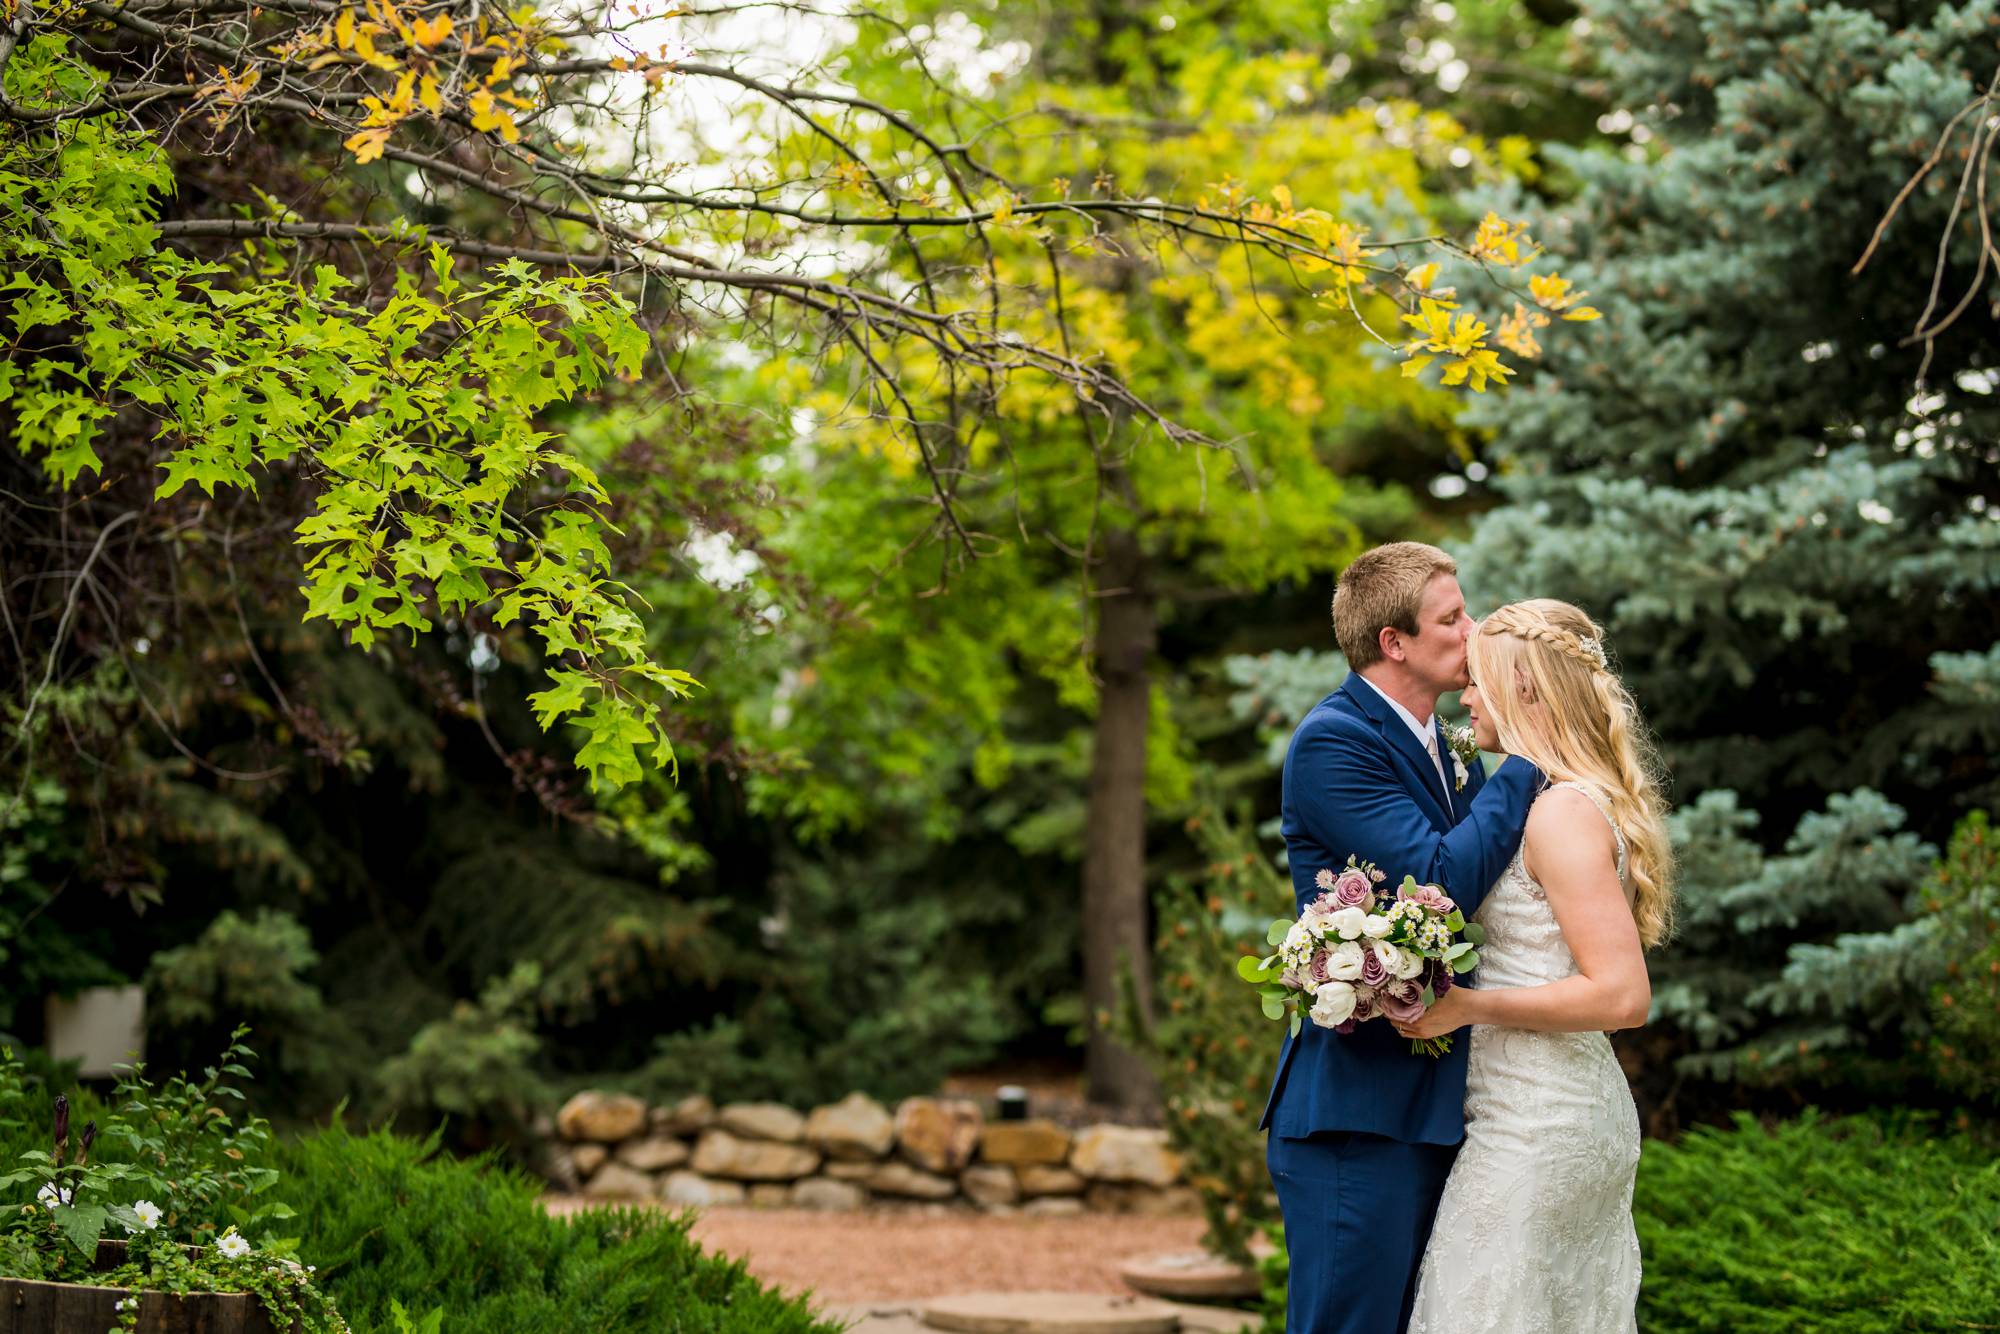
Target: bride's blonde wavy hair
x,y
1565,710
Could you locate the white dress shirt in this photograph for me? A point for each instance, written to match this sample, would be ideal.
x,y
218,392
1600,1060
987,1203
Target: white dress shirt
x,y
1426,734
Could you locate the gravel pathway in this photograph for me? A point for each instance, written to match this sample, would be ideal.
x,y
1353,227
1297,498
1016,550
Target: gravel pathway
x,y
903,1254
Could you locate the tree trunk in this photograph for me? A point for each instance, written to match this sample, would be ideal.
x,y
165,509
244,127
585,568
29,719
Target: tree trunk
x,y
1116,931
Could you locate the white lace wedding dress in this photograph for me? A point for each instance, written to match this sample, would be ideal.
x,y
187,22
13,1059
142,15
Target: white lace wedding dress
x,y
1534,1234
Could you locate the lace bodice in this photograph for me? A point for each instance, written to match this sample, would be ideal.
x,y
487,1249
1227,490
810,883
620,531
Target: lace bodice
x,y
1534,1234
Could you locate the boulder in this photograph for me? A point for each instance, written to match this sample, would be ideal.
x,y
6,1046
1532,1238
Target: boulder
x,y
1191,1276
850,1171
615,1181
827,1193
762,1120
653,1153
938,1134
1024,1143
1053,1206
721,1154
906,1181
691,1115
691,1188
1039,1181
604,1118
856,1128
1125,1154
1107,1197
1047,1313
989,1185
588,1157
770,1195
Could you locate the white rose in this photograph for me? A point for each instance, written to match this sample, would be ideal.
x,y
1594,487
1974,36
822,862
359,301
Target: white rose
x,y
1376,925
1349,922
1334,1004
1387,955
1344,961
1409,964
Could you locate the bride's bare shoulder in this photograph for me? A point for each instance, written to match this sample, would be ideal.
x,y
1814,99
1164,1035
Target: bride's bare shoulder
x,y
1567,831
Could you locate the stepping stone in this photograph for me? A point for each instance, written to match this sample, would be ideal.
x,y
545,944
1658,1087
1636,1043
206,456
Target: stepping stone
x,y
1190,1276
1050,1313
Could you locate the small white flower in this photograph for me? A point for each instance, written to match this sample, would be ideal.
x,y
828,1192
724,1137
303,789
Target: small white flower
x,y
1459,774
1349,922
233,1245
149,1214
49,1196
1376,926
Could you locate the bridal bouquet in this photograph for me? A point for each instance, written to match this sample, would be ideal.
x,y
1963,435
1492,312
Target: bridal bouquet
x,y
1357,953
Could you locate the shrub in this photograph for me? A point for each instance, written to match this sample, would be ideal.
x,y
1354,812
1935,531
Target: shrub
x,y
1965,1007
388,1218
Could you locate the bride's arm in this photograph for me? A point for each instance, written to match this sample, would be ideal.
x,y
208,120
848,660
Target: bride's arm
x,y
1571,854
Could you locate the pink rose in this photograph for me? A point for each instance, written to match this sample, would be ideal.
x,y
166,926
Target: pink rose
x,y
1402,1001
1373,974
1431,897
1353,890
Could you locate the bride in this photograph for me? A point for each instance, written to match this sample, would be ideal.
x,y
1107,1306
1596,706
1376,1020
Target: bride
x,y
1534,1232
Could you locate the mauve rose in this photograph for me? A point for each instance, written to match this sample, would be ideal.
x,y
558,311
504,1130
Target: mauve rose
x,y
1373,974
1353,890
1402,1002
1319,968
1365,1007
1431,897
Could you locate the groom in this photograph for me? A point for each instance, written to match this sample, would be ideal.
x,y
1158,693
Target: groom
x,y
1363,1132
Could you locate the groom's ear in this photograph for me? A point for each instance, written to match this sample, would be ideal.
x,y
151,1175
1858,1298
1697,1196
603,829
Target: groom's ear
x,y
1390,640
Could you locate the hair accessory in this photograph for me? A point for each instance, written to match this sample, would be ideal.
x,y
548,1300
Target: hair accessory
x,y
1593,648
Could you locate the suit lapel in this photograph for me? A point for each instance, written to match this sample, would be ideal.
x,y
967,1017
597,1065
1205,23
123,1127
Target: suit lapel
x,y
1420,775
1450,770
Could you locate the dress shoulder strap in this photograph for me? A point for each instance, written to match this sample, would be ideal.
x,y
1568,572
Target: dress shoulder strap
x,y
1598,800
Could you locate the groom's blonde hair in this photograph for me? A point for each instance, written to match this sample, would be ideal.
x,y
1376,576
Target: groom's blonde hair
x,y
1544,678
1383,587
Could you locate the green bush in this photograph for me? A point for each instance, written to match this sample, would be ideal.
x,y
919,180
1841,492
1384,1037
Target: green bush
x,y
387,1218
1965,1007
1824,1226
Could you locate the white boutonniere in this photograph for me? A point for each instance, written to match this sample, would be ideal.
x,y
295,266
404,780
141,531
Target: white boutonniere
x,y
1464,749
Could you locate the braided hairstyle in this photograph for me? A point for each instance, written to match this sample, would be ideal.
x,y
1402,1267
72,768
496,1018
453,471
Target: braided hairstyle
x,y
1541,668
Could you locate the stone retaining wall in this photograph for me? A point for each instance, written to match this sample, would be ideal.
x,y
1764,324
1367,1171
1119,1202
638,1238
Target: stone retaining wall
x,y
856,1154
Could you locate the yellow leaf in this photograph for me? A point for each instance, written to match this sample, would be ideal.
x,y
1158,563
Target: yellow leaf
x,y
430,32
1283,195
428,94
1415,365
485,115
406,87
367,145
343,30
508,129
1456,372
1582,313
1423,277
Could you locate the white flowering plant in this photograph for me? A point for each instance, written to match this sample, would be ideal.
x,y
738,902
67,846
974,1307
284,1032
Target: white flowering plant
x,y
175,1216
1358,953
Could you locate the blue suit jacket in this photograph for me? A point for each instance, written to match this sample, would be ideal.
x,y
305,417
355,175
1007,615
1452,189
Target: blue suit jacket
x,y
1359,783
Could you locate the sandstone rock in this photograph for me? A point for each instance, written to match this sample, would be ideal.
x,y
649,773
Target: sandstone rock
x,y
855,1128
1037,1181
1048,1313
938,1134
1191,1276
989,1185
762,1120
827,1193
690,1188
850,1171
588,1157
1024,1143
615,1181
653,1153
902,1179
721,1154
770,1195
1053,1206
1146,1201
690,1115
604,1118
1127,1154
